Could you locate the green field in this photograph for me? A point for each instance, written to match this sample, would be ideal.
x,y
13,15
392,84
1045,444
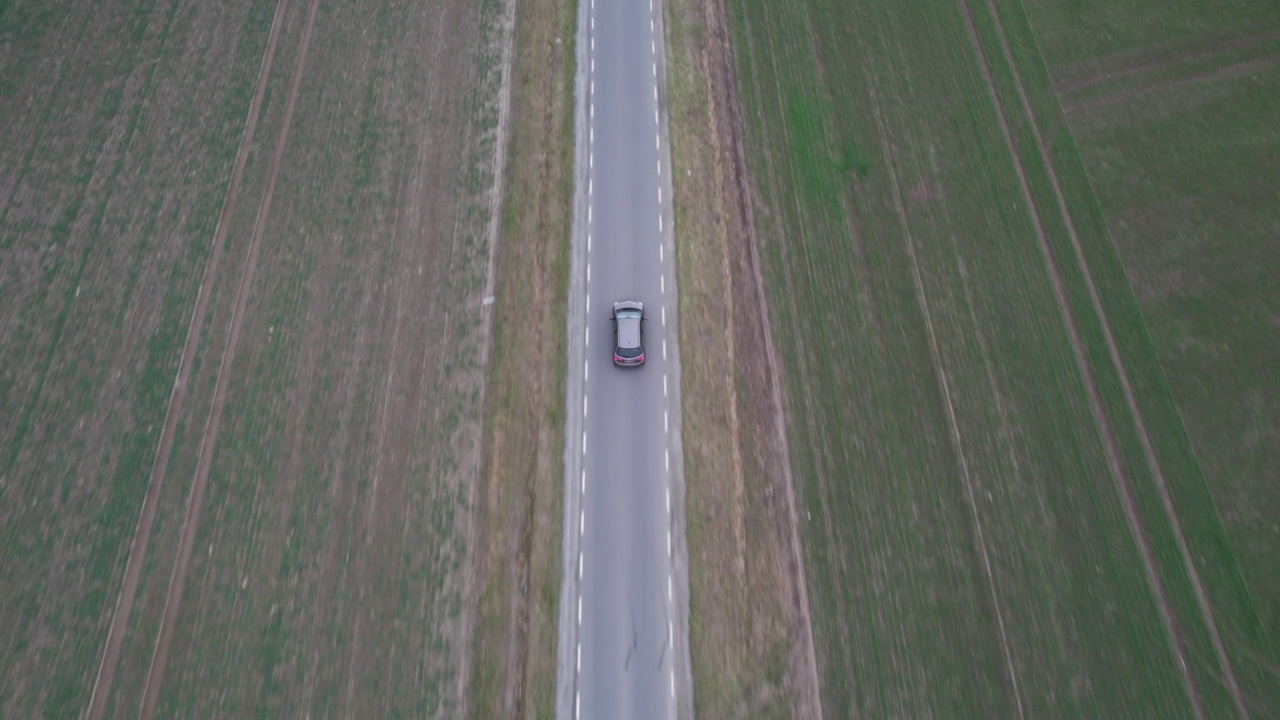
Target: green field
x,y
1020,492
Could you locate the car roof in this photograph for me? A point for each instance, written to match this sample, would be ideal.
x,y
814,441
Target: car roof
x,y
629,332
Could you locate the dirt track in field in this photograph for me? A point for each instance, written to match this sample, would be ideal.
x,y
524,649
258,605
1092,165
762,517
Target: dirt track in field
x,y
1119,474
123,608
209,439
1172,59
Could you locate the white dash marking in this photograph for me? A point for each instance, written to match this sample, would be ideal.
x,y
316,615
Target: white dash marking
x,y
582,521
584,443
664,322
585,367
662,282
586,338
665,427
659,222
664,385
664,348
579,622
584,485
666,459
668,499
660,253
584,406
670,587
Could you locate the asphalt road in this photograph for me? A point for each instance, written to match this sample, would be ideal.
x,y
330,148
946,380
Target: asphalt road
x,y
624,646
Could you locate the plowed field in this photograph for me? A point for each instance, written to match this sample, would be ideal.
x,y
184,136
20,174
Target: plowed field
x,y
244,253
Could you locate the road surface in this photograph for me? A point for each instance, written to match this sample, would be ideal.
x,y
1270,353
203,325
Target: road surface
x,y
624,638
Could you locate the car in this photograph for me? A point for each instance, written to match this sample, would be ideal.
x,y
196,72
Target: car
x,y
628,333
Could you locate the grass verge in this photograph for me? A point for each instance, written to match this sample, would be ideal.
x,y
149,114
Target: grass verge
x,y
522,495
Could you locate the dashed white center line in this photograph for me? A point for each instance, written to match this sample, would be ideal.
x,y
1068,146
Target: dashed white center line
x,y
665,429
662,283
660,258
664,385
664,324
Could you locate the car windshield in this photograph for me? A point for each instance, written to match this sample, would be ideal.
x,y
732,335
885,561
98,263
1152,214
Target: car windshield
x,y
632,314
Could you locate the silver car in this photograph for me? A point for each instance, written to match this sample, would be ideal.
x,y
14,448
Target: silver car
x,y
628,333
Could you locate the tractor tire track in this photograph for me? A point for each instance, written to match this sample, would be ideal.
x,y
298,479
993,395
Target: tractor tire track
x,y
1203,53
1107,433
1226,71
105,677
177,581
1148,450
